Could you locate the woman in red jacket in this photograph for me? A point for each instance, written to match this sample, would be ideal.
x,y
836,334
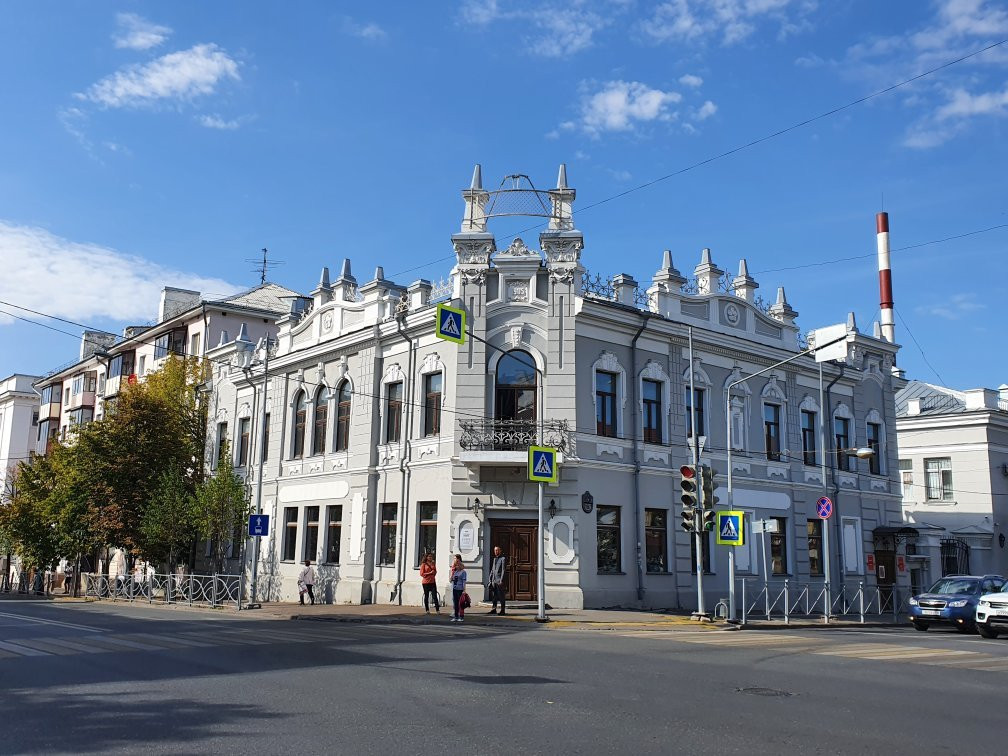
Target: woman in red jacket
x,y
427,573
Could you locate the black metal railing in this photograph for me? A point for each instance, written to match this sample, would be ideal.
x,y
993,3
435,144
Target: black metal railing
x,y
515,435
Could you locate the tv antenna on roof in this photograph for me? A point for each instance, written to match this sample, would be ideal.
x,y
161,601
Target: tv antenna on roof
x,y
264,265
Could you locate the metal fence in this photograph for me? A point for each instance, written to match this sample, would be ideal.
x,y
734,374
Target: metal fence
x,y
194,590
786,600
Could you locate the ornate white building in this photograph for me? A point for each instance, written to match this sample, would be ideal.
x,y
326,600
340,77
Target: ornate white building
x,y
384,442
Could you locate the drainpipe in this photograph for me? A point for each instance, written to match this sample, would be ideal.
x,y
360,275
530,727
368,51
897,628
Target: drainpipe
x,y
636,460
406,433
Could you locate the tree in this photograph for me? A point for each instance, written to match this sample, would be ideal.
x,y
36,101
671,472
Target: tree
x,y
222,506
28,519
168,521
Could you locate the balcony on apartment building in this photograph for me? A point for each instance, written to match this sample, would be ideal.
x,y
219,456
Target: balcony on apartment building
x,y
82,391
120,372
489,441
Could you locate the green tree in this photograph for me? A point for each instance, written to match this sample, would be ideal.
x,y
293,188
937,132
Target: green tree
x,y
168,521
29,517
222,506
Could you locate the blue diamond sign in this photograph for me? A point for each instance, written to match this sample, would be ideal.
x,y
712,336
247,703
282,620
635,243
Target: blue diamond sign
x,y
451,323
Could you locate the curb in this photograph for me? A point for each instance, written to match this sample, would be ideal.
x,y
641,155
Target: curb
x,y
526,622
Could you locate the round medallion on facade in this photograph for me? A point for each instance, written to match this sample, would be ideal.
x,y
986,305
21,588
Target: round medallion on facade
x,y
327,321
732,314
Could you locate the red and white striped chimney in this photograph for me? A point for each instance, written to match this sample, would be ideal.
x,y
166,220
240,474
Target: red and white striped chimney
x,y
885,278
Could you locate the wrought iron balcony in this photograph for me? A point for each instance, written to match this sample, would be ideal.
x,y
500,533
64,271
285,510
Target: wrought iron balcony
x,y
515,435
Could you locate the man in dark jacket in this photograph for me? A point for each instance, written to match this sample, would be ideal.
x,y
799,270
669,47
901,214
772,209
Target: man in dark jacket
x,y
497,580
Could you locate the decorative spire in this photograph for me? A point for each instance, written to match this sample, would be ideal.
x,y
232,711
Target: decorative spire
x,y
477,179
781,310
851,323
379,273
223,338
744,285
324,279
476,198
670,279
345,270
562,177
708,274
243,334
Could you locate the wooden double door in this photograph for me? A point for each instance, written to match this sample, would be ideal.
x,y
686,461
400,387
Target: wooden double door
x,y
516,539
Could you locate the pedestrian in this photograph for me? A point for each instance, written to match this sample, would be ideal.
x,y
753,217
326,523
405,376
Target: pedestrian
x,y
68,577
427,573
306,582
458,578
497,579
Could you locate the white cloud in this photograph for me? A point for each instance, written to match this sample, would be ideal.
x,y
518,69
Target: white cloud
x,y
562,28
137,33
86,281
621,176
622,105
369,31
182,75
955,308
215,121
705,111
809,61
962,104
731,21
689,80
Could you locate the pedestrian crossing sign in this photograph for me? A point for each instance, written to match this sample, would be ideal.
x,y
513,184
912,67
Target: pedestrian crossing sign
x,y
731,528
542,464
451,323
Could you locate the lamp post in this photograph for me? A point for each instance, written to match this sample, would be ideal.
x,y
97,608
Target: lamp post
x,y
253,604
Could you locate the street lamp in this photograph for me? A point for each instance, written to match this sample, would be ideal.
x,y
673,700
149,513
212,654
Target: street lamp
x,y
265,345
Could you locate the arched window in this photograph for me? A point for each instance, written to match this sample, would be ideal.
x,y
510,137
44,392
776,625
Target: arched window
x,y
321,420
300,418
343,416
516,387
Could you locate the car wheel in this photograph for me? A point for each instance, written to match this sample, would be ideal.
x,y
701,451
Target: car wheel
x,y
987,632
922,626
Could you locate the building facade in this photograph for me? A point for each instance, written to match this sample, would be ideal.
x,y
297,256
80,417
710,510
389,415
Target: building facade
x,y
384,442
953,458
18,423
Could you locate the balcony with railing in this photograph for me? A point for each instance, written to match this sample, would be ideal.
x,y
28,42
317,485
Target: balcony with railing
x,y
488,441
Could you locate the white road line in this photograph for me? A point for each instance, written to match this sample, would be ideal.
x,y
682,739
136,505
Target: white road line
x,y
22,650
54,622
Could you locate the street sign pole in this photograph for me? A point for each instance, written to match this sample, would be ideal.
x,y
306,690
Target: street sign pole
x,y
697,518
825,526
542,469
541,576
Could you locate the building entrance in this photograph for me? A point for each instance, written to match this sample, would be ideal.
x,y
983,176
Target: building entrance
x,y
517,541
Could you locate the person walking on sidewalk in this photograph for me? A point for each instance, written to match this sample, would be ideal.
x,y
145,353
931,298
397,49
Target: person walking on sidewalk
x,y
306,582
427,573
458,578
497,567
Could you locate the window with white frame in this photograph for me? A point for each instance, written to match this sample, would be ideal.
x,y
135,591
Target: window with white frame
x,y
876,441
842,426
906,478
851,529
609,389
739,409
774,413
654,394
938,479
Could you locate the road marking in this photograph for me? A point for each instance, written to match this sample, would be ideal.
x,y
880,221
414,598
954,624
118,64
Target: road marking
x,y
49,645
54,622
22,650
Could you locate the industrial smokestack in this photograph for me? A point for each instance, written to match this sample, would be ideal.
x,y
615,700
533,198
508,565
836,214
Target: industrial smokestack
x,y
885,278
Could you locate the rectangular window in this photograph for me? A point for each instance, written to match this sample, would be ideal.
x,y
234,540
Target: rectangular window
x,y
815,555
772,431
432,404
265,439
656,539
78,385
387,546
607,527
652,398
875,444
938,478
778,547
393,412
290,534
841,429
698,400
66,395
906,478
311,533
243,440
194,344
221,441
428,528
605,403
161,344
851,528
808,437
704,552
334,532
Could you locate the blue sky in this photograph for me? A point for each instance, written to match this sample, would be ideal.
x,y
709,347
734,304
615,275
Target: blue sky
x,y
147,144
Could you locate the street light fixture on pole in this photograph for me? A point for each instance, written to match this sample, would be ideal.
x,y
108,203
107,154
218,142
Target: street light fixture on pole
x,y
263,430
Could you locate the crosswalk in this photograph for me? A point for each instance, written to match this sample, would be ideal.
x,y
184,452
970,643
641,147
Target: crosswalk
x,y
981,661
118,643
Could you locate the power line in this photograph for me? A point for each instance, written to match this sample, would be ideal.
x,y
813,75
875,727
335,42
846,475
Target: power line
x,y
754,142
919,347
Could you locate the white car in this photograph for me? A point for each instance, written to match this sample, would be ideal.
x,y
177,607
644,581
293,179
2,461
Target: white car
x,y
992,613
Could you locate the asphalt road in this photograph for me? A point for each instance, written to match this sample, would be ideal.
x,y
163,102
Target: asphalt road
x,y
134,679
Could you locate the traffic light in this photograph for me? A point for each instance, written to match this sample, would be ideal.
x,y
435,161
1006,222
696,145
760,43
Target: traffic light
x,y
689,485
709,484
708,519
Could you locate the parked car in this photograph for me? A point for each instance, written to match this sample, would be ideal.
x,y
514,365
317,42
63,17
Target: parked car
x,y
992,613
953,601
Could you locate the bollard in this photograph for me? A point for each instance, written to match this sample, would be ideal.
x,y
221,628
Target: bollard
x,y
787,604
213,591
744,612
190,588
861,599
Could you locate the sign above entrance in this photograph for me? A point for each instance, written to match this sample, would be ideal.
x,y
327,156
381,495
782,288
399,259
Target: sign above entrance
x,y
542,464
451,323
731,528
